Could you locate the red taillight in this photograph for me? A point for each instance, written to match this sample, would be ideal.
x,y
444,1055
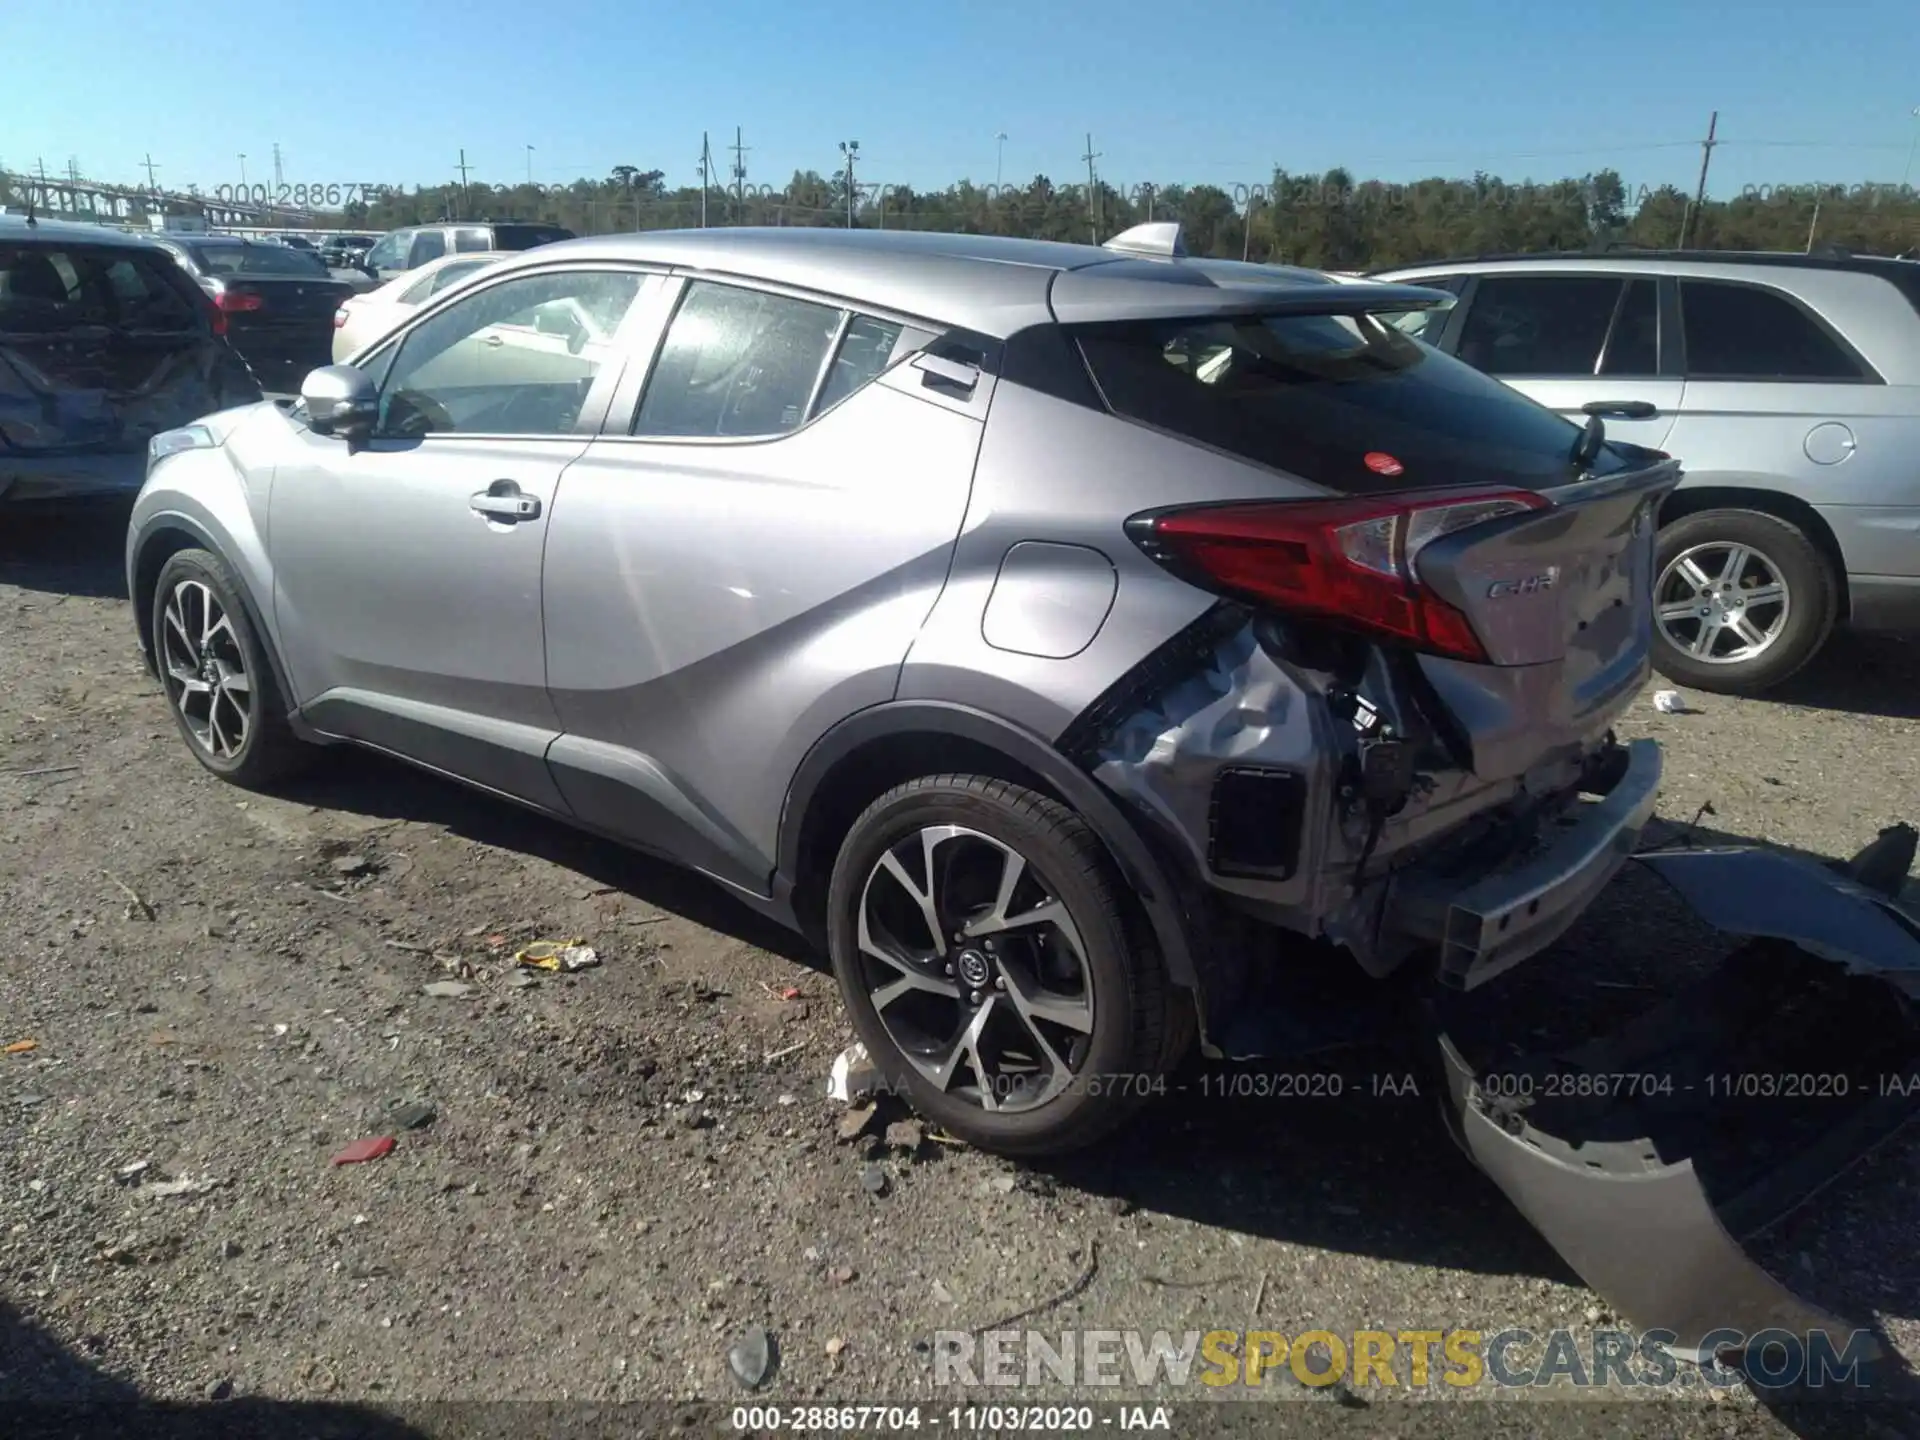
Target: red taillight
x,y
339,317
233,302
219,321
1349,562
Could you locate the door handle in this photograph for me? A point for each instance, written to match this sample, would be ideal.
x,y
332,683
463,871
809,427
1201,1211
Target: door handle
x,y
504,501
1621,409
492,340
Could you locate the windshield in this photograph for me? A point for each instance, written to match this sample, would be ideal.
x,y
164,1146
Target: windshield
x,y
254,260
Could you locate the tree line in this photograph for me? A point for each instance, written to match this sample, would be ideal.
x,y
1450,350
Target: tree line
x,y
1330,221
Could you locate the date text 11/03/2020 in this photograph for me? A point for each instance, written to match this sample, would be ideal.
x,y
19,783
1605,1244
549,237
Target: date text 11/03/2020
x,y
835,1419
1388,1085
331,196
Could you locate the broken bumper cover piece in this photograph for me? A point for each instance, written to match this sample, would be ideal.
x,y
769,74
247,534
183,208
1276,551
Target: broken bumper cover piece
x,y
1728,1127
1501,919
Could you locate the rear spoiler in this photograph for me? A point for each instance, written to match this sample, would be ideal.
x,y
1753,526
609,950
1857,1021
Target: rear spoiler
x,y
1103,293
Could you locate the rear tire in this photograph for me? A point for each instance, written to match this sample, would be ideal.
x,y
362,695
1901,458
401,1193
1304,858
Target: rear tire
x,y
1030,1038
219,683
1742,600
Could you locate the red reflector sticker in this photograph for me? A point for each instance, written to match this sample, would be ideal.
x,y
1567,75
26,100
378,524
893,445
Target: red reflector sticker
x,y
1382,463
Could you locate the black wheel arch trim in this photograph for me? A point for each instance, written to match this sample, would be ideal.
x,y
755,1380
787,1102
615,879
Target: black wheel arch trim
x,y
174,520
1148,877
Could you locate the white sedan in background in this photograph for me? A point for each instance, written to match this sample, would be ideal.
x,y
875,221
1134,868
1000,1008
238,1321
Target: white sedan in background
x,y
362,319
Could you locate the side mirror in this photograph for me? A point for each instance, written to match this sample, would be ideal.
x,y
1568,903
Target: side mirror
x,y
340,400
555,320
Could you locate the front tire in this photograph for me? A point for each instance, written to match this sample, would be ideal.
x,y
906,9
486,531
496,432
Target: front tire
x,y
214,668
988,963
1743,600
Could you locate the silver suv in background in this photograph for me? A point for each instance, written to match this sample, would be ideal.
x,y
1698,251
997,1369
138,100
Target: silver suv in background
x,y
399,251
1789,388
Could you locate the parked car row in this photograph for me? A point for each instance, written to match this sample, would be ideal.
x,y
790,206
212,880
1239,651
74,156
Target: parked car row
x,y
109,336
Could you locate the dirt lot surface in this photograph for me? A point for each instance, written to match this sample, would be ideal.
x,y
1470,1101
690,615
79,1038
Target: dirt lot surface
x,y
629,1166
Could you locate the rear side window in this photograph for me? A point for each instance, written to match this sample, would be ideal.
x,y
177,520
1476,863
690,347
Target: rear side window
x,y
1348,402
526,237
736,363
469,238
863,354
255,260
1742,332
46,289
1538,324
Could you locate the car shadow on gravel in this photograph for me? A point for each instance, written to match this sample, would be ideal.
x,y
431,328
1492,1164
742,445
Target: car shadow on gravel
x,y
70,548
363,783
1865,674
47,1392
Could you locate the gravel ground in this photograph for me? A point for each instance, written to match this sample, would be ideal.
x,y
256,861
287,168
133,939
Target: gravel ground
x,y
628,1166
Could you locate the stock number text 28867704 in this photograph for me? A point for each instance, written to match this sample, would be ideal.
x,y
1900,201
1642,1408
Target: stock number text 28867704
x,y
301,197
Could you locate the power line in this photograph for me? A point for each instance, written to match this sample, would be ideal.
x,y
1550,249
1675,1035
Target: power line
x,y
739,171
1093,189
1700,193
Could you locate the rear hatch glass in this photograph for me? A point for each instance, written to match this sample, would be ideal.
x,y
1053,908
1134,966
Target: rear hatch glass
x,y
1332,399
102,347
1354,404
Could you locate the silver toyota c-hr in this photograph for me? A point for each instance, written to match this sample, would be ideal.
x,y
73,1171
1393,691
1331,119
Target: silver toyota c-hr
x,y
1045,630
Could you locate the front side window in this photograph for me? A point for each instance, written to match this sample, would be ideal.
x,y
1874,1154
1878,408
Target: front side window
x,y
1540,325
1742,332
736,363
389,252
1348,402
427,245
455,273
516,358
1633,347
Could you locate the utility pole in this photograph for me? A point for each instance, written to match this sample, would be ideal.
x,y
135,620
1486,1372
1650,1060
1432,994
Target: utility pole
x,y
999,158
850,149
277,177
1700,192
529,165
1246,231
739,175
462,203
1910,149
1815,226
706,175
1093,190
152,184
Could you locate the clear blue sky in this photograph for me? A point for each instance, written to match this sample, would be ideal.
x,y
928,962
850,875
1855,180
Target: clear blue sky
x,y
1219,92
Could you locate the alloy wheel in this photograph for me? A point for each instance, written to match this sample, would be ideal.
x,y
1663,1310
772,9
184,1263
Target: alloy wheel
x,y
1722,603
976,970
205,670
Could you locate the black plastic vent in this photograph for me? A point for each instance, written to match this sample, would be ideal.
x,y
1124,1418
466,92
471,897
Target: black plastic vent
x,y
1254,825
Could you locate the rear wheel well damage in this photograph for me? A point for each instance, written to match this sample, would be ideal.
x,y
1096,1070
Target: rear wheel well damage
x,y
1692,500
872,752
